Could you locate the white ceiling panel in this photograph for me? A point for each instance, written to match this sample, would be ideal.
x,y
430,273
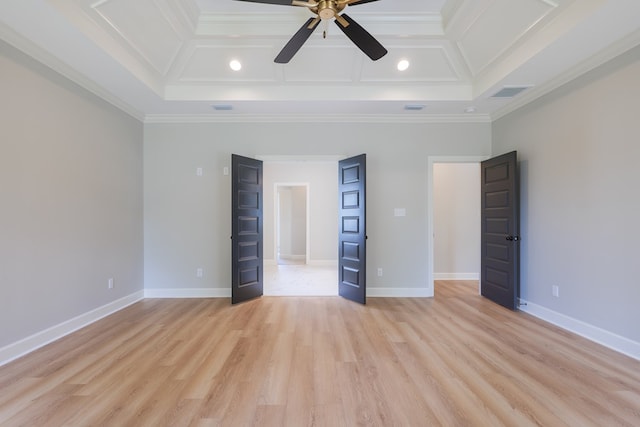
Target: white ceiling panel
x,y
317,64
210,64
427,64
498,28
146,28
385,6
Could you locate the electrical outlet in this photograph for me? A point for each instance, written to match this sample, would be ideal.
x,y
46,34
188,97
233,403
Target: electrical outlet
x,y
555,291
379,272
110,283
199,272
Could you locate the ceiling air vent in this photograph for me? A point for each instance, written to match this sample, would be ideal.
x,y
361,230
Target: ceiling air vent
x,y
222,107
509,91
414,107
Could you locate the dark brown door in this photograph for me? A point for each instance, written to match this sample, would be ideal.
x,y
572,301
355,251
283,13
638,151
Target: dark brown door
x,y
246,229
500,262
352,233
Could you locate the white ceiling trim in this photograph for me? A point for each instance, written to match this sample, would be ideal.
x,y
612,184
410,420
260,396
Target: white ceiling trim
x,y
317,118
186,11
37,53
160,59
328,92
101,32
571,15
614,50
480,46
217,72
419,73
285,24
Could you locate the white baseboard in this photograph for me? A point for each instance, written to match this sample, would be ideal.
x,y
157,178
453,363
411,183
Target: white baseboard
x,y
226,293
608,339
42,338
456,276
188,293
399,292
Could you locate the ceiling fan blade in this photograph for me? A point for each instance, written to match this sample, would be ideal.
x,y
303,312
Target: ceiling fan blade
x,y
309,3
296,42
360,37
281,2
357,2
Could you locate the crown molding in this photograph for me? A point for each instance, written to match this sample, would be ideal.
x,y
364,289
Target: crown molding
x,y
315,118
616,49
280,24
41,55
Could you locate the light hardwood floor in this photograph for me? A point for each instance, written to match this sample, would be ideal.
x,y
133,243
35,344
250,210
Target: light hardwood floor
x,y
454,360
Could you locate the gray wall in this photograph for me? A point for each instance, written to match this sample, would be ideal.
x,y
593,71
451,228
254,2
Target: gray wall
x,y
71,199
187,218
579,149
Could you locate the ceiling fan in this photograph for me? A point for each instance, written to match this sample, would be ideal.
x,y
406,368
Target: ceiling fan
x,y
326,10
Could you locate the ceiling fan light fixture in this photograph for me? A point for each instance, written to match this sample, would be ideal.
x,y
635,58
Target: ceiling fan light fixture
x,y
403,65
235,65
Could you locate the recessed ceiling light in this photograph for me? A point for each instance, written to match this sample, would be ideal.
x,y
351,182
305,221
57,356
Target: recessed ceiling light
x,y
235,65
470,109
403,65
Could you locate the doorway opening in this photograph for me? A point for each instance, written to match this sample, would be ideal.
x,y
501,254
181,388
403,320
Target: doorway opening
x,y
300,225
454,220
292,219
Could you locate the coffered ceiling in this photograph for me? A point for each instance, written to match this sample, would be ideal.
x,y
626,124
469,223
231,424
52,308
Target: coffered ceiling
x,y
168,60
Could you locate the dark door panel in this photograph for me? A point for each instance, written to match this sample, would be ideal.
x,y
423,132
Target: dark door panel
x,y
500,262
352,234
246,229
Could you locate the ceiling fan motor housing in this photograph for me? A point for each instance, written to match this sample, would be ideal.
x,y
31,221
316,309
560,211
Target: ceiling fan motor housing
x,y
329,9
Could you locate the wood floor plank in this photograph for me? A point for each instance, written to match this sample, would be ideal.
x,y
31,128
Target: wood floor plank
x,y
454,360
269,416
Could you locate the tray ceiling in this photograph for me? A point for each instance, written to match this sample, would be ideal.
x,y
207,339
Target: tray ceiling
x,y
169,59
